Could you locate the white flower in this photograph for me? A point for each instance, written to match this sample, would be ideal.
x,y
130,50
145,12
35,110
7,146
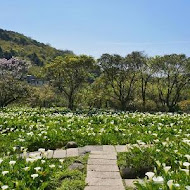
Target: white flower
x,y
12,162
42,150
158,163
5,172
185,170
150,175
26,168
30,160
49,151
37,168
170,184
34,176
61,160
187,156
158,179
1,160
167,168
5,187
43,161
187,187
176,185
52,166
186,164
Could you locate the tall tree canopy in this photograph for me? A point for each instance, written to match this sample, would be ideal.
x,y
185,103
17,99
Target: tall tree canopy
x,y
121,73
172,77
68,74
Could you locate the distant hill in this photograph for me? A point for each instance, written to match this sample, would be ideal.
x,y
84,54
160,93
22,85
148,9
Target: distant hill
x,y
18,45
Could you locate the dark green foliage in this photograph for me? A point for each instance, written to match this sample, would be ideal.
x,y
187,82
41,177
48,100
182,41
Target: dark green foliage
x,y
15,44
1,52
35,59
138,160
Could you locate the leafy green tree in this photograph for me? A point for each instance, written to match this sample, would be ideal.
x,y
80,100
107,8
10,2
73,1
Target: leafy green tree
x,y
121,74
11,90
146,71
42,96
172,77
68,75
35,59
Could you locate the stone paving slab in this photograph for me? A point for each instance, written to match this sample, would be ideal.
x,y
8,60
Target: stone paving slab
x,y
72,152
59,153
102,153
83,151
103,168
94,148
103,175
108,148
103,182
34,154
107,156
121,148
101,162
104,188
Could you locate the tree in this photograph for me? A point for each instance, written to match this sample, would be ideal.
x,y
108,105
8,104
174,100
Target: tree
x,y
121,74
42,96
1,52
172,77
11,90
35,59
68,75
14,67
12,87
146,72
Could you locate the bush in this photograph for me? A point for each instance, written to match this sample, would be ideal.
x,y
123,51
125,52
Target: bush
x,y
42,96
138,161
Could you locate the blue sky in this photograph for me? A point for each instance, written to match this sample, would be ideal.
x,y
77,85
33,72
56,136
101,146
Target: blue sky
x,y
94,27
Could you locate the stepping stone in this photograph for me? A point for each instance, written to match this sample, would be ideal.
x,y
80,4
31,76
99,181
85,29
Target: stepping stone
x,y
103,168
59,153
104,156
103,175
72,152
34,154
108,148
103,153
82,151
121,148
104,188
103,182
101,162
94,148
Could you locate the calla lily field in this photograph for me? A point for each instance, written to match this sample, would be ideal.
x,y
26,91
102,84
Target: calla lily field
x,y
166,135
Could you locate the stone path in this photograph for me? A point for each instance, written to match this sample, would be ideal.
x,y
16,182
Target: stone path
x,y
72,152
102,170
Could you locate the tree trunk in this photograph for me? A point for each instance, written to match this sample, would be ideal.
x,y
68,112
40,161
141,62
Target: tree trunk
x,y
71,103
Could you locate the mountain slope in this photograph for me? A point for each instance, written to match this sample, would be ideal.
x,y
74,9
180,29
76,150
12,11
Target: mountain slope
x,y
16,44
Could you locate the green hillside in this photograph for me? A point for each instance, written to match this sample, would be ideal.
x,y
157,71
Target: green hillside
x,y
16,44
